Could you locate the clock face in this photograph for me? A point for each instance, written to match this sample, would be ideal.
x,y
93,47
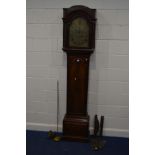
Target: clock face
x,y
79,33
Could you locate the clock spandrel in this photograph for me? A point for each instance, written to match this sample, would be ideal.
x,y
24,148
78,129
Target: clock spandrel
x,y
79,33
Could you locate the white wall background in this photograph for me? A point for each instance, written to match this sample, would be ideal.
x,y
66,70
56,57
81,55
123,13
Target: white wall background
x,y
108,93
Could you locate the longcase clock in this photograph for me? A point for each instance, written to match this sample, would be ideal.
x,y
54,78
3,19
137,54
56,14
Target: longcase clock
x,y
78,42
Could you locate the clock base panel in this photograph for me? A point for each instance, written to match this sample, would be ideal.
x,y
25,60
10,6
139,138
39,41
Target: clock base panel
x,y
76,128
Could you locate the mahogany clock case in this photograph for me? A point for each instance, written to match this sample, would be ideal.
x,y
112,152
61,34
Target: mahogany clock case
x,y
78,43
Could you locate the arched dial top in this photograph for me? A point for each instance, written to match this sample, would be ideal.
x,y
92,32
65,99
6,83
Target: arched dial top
x,y
79,33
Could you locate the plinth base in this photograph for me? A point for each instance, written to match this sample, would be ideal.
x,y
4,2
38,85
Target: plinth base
x,y
76,128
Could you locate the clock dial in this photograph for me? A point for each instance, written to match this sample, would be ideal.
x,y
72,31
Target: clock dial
x,y
79,33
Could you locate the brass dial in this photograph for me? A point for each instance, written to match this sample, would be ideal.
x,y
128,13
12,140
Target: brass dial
x,y
79,33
